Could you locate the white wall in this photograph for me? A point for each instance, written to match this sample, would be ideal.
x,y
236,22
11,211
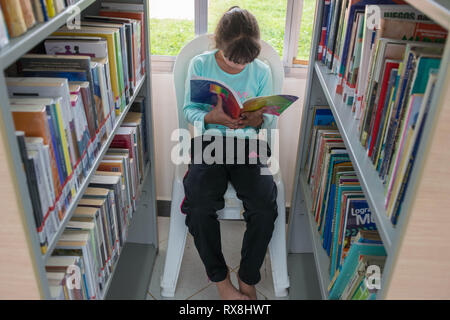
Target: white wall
x,y
166,120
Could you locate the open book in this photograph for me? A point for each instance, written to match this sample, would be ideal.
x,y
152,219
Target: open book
x,y
204,90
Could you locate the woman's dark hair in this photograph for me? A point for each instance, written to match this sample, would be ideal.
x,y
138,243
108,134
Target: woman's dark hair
x,y
237,36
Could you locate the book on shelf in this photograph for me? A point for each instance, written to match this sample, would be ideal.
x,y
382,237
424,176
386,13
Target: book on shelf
x,y
339,207
114,57
28,14
73,242
30,173
95,47
65,265
14,19
98,228
347,280
122,59
129,11
96,210
133,53
19,16
382,56
138,106
414,130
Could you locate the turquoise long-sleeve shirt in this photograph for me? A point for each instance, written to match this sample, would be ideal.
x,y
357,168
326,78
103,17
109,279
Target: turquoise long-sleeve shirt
x,y
254,81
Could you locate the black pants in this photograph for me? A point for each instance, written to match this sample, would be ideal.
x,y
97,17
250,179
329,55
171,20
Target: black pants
x,y
205,185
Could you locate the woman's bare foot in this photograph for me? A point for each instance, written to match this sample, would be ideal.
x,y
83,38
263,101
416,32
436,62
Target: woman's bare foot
x,y
248,290
228,292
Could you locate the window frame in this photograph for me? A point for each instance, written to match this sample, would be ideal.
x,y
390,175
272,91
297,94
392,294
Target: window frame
x,y
293,66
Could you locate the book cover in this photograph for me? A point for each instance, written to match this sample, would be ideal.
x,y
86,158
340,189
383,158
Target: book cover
x,y
109,35
205,91
350,265
33,121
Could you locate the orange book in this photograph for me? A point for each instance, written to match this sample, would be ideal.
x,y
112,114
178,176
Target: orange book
x,y
27,11
112,165
32,119
131,15
12,11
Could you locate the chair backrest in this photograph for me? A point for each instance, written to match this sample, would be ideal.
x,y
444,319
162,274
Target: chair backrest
x,y
205,43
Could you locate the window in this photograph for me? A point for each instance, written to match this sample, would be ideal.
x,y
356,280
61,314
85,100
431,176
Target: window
x,y
306,30
285,24
172,25
271,16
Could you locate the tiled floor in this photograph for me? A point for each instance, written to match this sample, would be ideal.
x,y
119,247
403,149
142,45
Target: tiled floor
x,y
193,283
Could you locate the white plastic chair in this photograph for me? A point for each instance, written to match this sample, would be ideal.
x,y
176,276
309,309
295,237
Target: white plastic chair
x,y
233,206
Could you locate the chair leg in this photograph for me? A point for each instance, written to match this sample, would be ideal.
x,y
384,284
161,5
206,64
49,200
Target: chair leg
x,y
176,243
277,248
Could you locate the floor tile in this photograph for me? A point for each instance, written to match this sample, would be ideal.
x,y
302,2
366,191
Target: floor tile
x,y
211,293
191,279
163,228
193,282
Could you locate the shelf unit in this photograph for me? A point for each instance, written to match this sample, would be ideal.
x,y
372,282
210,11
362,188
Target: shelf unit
x,y
142,237
412,251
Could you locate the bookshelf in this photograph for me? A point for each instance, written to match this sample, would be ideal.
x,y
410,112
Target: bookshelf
x,y
417,247
24,277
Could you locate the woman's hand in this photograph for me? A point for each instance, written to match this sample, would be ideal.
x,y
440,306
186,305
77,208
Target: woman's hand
x,y
218,116
252,119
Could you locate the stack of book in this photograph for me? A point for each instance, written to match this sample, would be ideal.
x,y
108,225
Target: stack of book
x,y
339,206
98,228
386,56
18,16
65,99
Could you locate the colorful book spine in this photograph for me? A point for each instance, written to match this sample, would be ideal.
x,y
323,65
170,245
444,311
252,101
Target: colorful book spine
x,y
12,12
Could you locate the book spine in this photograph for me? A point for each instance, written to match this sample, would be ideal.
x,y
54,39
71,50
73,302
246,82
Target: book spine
x,y
50,8
44,9
33,191
326,11
37,9
27,11
14,18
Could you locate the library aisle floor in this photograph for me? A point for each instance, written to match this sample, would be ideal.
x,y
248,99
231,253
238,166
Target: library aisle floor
x,y
193,284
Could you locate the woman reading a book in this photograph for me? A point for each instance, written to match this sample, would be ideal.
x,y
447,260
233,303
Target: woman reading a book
x,y
234,62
